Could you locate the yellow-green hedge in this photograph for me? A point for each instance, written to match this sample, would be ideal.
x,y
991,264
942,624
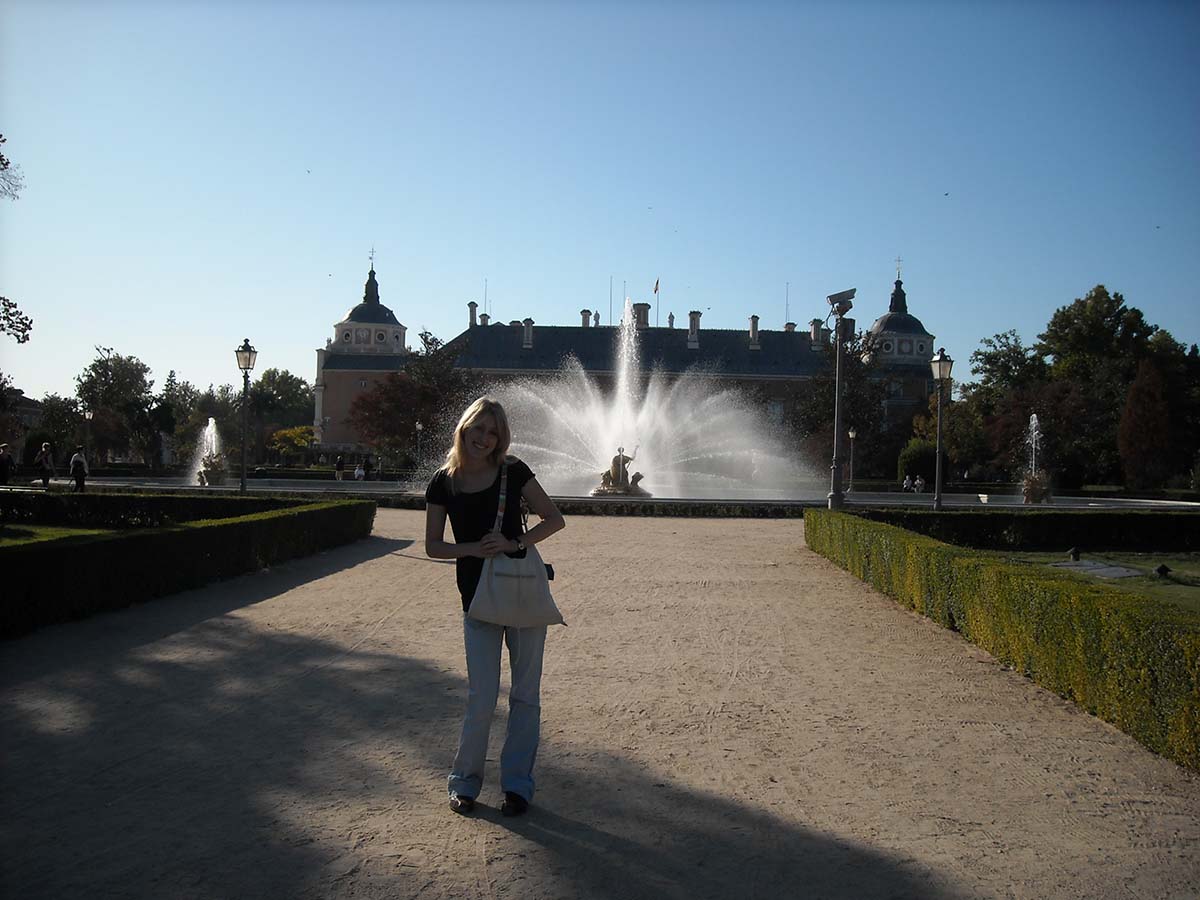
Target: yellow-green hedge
x,y
1132,661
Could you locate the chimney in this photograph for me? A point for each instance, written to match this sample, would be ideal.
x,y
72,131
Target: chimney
x,y
527,340
789,326
826,333
515,322
641,315
587,317
814,331
472,306
754,344
483,319
694,330
670,320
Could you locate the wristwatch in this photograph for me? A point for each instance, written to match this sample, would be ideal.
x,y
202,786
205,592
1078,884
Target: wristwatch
x,y
520,546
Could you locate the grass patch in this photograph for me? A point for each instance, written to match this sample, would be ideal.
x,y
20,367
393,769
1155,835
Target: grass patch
x,y
15,535
1181,587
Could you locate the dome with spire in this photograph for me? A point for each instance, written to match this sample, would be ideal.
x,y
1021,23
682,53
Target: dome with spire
x,y
371,311
897,319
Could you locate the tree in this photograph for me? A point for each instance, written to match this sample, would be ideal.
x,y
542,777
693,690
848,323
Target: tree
x,y
115,387
430,390
279,399
1003,364
12,321
810,409
1145,430
964,438
62,420
12,182
290,441
1095,334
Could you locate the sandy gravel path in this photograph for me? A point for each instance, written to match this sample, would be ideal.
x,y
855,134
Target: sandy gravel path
x,y
728,715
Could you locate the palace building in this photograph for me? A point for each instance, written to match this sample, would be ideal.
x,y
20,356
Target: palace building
x,y
368,343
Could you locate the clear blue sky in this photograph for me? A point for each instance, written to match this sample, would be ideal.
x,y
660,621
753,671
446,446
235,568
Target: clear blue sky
x,y
200,172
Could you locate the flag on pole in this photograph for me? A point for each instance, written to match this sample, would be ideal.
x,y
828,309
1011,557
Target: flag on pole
x,y
656,285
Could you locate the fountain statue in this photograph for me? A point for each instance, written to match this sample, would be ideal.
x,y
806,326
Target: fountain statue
x,y
616,479
692,434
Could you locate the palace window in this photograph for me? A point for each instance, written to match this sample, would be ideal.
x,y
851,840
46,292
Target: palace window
x,y
346,336
380,337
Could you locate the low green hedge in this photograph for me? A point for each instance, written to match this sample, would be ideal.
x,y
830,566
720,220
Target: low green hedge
x,y
1131,661
54,581
1051,529
134,510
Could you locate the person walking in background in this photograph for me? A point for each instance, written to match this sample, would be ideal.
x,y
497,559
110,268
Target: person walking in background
x,y
8,465
908,483
79,469
339,467
367,466
43,464
358,472
467,490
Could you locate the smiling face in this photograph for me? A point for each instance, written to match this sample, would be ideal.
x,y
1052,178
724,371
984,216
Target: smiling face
x,y
480,438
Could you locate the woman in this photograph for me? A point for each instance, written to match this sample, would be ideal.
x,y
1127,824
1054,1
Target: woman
x,y
467,488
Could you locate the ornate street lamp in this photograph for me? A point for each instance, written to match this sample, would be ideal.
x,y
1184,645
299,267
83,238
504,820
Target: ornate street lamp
x,y
87,431
246,355
941,365
840,304
852,434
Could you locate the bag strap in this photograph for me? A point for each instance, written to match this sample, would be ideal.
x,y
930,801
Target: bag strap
x,y
503,497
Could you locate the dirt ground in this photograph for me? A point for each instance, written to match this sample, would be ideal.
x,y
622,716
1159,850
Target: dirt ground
x,y
728,715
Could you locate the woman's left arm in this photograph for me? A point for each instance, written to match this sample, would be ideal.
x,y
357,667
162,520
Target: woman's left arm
x,y
542,506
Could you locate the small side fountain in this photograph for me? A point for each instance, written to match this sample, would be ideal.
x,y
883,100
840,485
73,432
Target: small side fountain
x,y
208,463
1035,485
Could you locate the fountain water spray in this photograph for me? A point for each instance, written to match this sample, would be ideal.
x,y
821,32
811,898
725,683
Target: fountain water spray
x,y
694,438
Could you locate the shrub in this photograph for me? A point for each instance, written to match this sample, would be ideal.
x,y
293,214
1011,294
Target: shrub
x,y
54,581
105,510
1051,529
1129,660
919,457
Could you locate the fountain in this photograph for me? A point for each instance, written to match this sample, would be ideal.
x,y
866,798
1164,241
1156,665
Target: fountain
x,y
692,437
1035,485
208,465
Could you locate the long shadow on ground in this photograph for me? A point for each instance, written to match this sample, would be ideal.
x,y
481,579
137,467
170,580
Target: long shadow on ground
x,y
112,633
232,770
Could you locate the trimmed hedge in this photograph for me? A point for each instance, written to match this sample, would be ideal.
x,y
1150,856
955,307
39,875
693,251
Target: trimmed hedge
x,y
1131,661
54,581
1051,529
132,510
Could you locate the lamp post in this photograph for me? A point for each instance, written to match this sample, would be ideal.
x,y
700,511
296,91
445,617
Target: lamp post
x,y
941,365
246,355
840,304
420,428
87,431
852,434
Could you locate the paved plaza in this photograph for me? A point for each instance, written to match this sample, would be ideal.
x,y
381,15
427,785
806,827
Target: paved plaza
x,y
727,715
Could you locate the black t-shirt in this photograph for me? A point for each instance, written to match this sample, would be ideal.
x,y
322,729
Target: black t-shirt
x,y
472,515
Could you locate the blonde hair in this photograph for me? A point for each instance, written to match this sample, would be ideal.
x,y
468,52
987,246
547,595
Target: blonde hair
x,y
484,406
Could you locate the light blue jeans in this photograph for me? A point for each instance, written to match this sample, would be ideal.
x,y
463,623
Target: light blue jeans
x,y
525,647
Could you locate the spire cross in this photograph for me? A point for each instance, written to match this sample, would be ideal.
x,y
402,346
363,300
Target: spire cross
x,y
897,268
372,258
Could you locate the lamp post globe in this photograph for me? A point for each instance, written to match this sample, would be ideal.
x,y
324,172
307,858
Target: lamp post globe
x,y
246,357
940,365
